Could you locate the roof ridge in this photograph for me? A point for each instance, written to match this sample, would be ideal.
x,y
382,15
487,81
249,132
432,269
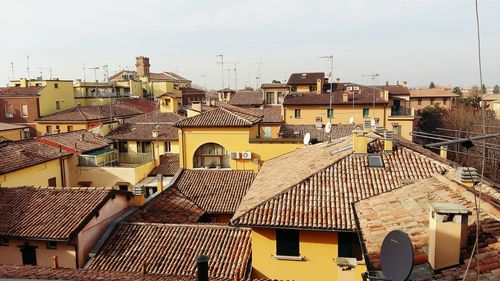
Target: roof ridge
x,y
190,225
237,116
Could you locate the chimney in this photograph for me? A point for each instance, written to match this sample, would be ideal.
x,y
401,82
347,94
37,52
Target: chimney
x,y
196,106
387,83
159,183
388,141
154,133
405,84
468,176
202,266
338,79
142,66
23,82
447,233
367,125
360,141
396,129
319,86
55,262
397,83
138,196
443,151
345,97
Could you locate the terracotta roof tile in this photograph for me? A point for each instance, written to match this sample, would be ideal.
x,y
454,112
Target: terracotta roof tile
x,y
247,98
171,206
8,126
365,96
395,89
433,92
189,90
169,164
223,116
271,113
377,217
320,196
31,91
47,213
215,191
171,249
298,131
274,85
90,113
141,131
304,78
139,104
76,141
16,155
155,116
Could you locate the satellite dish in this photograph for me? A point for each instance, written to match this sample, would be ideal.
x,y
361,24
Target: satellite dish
x,y
328,127
351,120
396,256
307,138
373,123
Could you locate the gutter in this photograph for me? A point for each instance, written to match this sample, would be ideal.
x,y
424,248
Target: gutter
x,y
368,264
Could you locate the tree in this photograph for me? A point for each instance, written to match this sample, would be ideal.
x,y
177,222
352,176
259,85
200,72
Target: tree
x,y
276,82
248,88
496,89
432,118
457,91
432,85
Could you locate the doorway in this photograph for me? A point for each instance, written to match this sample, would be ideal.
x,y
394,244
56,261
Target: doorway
x,y
29,255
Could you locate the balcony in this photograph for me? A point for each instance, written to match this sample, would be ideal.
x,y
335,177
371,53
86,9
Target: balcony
x,y
111,157
402,112
135,158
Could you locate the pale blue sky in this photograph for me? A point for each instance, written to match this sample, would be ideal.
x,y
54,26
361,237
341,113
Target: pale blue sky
x,y
418,41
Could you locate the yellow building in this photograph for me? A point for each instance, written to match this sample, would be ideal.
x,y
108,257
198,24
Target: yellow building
x,y
29,162
13,132
56,227
229,137
274,93
300,204
55,96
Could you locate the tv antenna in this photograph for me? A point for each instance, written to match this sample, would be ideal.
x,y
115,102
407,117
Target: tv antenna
x,y
95,68
28,66
221,62
259,74
84,73
330,108
12,70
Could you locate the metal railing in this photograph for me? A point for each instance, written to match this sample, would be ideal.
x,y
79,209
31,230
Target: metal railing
x,y
401,112
104,159
135,158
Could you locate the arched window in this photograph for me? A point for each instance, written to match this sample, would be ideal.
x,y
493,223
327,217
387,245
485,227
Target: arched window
x,y
211,155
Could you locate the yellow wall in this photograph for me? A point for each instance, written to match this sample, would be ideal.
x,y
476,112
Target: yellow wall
x,y
65,253
41,128
37,175
14,134
169,104
405,124
341,113
232,139
275,129
303,89
319,250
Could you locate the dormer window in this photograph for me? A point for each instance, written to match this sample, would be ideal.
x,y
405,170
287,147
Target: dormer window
x,y
375,161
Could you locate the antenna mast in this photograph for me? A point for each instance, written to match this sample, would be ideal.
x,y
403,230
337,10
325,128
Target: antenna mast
x,y
257,78
222,67
28,66
12,70
84,74
330,57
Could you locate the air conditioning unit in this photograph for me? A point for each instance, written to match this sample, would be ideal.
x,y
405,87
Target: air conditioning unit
x,y
235,155
246,155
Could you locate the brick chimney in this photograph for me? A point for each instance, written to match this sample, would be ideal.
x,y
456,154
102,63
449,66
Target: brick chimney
x,y
142,66
138,196
447,233
319,86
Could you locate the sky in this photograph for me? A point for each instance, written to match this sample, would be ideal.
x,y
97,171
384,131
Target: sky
x,y
414,40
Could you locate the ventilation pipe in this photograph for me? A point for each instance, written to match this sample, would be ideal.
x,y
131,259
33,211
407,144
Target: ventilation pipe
x,y
202,266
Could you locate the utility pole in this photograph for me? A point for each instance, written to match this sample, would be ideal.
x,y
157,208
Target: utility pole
x,y
330,108
222,68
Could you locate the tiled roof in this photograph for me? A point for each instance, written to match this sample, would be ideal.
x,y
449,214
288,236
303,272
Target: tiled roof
x,y
395,89
8,126
271,113
169,164
90,113
48,213
189,90
215,191
326,180
298,131
171,249
247,98
167,76
171,206
223,116
18,272
16,155
273,85
305,78
363,97
31,91
430,93
76,141
155,116
139,104
407,209
138,131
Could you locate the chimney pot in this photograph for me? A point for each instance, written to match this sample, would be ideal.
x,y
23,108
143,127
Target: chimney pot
x,y
387,83
202,266
159,182
55,262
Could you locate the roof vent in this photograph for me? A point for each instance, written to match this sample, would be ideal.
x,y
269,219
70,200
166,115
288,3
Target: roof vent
x,y
468,176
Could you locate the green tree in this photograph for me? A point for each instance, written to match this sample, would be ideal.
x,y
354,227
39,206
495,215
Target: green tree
x,y
457,91
432,85
276,82
248,88
496,89
432,118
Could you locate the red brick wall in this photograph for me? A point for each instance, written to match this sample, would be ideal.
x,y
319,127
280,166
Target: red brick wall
x,y
17,102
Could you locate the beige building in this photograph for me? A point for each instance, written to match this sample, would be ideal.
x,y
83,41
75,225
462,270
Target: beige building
x,y
274,93
13,131
421,98
44,226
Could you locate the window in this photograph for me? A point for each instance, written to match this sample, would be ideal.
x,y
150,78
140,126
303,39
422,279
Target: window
x,y
432,100
366,112
313,88
281,97
143,146
28,254
168,146
58,105
123,187
123,146
270,98
4,242
375,160
349,246
56,85
294,89
211,155
297,113
70,128
52,182
445,100
24,110
287,242
419,101
48,129
26,133
267,132
58,129
51,244
9,111
329,113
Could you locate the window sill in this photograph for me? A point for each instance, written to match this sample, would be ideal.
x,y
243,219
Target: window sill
x,y
288,258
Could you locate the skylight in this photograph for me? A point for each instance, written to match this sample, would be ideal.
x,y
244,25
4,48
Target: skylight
x,y
375,161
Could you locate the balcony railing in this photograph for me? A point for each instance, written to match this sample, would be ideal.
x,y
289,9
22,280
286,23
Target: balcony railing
x,y
402,112
102,96
135,158
105,157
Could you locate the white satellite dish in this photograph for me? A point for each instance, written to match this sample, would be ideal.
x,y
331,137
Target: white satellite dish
x,y
351,120
307,138
328,127
373,123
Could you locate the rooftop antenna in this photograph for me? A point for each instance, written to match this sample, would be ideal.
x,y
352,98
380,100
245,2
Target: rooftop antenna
x,y
50,73
221,62
330,108
12,70
84,73
235,74
41,72
229,76
28,66
259,74
95,68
